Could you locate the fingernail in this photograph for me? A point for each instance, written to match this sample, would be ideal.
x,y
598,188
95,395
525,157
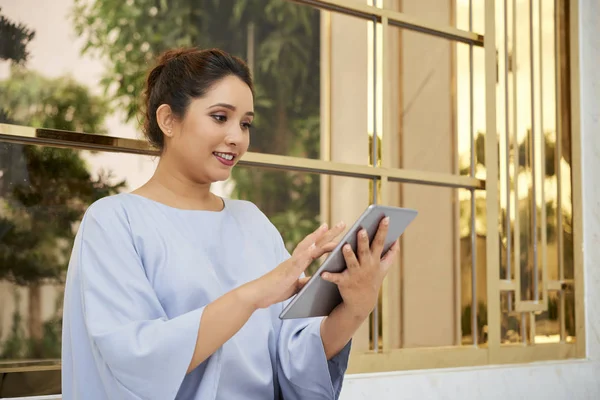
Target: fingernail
x,y
323,227
363,233
340,224
347,248
312,247
386,220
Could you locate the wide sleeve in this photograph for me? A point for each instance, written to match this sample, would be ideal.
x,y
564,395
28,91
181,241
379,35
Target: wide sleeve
x,y
303,370
146,353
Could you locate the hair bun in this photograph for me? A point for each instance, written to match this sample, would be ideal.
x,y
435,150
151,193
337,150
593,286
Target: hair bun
x,y
172,54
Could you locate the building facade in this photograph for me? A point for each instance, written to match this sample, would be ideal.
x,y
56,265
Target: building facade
x,y
482,115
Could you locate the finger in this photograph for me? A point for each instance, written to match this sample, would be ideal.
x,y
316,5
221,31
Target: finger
x,y
329,247
311,238
389,256
317,234
320,251
379,240
331,234
302,260
363,246
350,257
333,278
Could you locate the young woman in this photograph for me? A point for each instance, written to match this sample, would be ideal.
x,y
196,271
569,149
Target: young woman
x,y
175,293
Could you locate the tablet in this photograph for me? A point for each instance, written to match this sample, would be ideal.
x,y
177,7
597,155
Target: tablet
x,y
319,297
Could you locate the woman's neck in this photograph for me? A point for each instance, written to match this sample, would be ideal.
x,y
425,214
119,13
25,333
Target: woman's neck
x,y
174,189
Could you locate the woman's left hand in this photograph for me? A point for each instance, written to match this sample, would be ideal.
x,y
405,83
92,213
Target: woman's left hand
x,y
360,282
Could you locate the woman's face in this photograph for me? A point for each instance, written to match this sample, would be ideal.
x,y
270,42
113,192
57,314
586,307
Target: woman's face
x,y
214,133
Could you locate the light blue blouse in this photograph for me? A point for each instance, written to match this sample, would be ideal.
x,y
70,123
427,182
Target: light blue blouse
x,y
139,278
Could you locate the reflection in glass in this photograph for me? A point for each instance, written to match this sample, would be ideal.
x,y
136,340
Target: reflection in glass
x,y
564,158
436,273
567,219
526,156
511,323
349,103
453,13
468,320
535,200
108,50
547,323
432,93
38,383
569,314
477,15
44,192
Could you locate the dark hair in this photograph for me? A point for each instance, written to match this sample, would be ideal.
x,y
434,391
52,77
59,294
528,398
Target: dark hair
x,y
182,75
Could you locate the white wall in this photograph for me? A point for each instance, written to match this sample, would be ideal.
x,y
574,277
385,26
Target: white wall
x,y
549,380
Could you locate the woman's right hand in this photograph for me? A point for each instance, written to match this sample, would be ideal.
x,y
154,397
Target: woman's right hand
x,y
285,280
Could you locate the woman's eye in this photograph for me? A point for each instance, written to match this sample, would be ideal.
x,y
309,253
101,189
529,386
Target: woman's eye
x,y
220,118
246,125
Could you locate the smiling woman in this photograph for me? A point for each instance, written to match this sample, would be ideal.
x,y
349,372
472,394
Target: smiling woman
x,y
153,280
199,109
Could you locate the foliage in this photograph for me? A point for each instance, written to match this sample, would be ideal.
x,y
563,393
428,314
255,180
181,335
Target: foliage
x,y
54,185
44,192
15,346
14,39
18,345
31,99
128,35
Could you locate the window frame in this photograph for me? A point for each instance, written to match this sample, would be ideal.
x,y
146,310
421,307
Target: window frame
x,y
389,359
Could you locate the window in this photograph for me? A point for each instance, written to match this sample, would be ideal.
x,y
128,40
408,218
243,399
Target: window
x,y
461,110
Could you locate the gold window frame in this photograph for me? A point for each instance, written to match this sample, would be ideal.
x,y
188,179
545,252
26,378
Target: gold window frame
x,y
389,359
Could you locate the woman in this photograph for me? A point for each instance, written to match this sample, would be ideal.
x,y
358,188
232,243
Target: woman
x,y
173,292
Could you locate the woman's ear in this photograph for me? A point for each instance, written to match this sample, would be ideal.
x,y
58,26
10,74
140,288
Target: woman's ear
x,y
165,119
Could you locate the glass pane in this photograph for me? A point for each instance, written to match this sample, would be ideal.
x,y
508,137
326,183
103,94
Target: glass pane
x,y
462,14
105,53
448,13
466,266
435,274
527,158
430,104
568,298
349,104
531,191
567,219
44,192
548,98
547,323
436,118
511,322
564,163
38,383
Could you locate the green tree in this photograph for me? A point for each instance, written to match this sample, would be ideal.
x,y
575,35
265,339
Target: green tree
x,y
44,192
14,40
285,40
